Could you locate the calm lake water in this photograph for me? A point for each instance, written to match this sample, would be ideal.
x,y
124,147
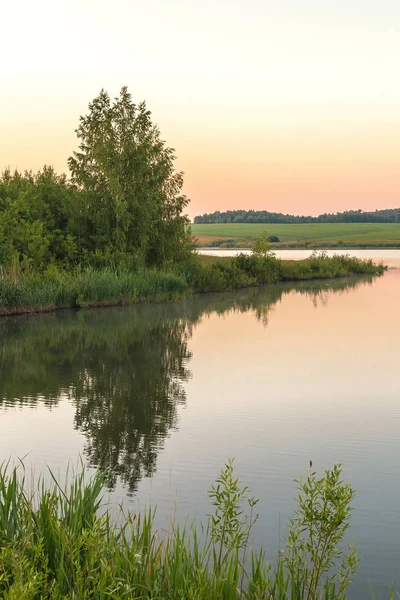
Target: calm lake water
x,y
161,396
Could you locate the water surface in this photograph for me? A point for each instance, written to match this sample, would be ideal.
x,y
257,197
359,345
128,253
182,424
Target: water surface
x,y
160,396
390,258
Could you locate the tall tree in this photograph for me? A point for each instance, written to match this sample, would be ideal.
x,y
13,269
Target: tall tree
x,y
133,198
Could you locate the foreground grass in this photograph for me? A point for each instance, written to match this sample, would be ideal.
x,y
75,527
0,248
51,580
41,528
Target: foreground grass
x,y
53,289
61,543
354,235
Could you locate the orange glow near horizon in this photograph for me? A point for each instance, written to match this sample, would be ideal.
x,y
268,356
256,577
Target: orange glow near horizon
x,y
285,107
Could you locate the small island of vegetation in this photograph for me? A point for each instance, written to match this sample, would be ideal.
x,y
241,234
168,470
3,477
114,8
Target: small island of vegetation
x,y
115,232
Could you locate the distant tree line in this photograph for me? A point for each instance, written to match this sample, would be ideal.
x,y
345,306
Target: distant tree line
x,y
389,215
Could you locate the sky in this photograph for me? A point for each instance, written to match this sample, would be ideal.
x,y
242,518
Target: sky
x,y
289,105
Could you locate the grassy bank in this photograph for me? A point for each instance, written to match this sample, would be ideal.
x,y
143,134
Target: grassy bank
x,y
311,235
54,289
90,288
61,543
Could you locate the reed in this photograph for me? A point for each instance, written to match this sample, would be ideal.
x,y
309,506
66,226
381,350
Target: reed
x,y
92,287
61,543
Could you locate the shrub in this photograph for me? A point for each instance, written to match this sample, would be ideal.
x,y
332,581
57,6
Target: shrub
x,y
217,277
262,269
321,266
261,246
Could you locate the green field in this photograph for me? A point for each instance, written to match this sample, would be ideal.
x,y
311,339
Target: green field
x,y
312,234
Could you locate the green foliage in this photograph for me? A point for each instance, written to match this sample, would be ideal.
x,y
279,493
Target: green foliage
x,y
132,195
59,288
321,266
230,528
313,560
263,267
37,219
124,203
387,215
97,288
262,246
56,544
232,273
221,274
89,287
216,277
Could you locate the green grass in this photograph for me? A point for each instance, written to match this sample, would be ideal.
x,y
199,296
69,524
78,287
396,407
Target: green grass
x,y
54,289
61,543
351,234
90,288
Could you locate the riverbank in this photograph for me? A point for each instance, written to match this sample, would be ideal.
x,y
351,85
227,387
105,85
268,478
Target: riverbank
x,y
54,289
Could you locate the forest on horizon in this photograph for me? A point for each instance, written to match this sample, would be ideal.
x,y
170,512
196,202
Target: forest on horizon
x,y
387,215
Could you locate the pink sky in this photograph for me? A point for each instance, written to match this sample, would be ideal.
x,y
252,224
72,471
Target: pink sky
x,y
288,106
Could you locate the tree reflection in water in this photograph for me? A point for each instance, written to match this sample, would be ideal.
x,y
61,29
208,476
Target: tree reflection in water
x,y
124,369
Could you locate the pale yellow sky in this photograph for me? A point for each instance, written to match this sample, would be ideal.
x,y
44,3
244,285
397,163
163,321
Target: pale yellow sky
x,y
291,106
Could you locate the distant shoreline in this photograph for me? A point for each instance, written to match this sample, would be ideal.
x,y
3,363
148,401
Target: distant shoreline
x,y
394,246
